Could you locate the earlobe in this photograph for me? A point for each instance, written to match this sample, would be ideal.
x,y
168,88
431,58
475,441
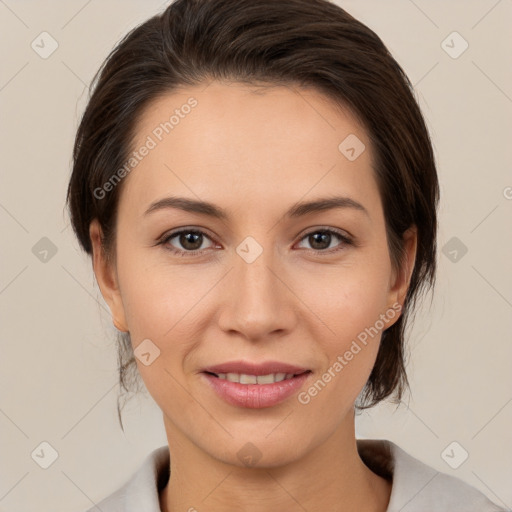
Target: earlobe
x,y
118,327
106,277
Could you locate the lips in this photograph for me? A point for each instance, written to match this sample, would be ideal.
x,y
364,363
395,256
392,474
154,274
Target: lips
x,y
253,385
248,368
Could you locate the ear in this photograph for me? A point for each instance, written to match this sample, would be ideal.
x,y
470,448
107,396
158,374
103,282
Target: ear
x,y
401,278
106,276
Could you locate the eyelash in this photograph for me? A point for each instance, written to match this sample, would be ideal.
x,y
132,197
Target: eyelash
x,y
346,241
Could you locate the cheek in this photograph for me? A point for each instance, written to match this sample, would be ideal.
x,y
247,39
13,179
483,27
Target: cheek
x,y
350,348
349,303
164,305
158,297
349,298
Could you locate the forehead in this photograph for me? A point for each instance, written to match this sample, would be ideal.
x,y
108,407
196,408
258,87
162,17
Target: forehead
x,y
231,143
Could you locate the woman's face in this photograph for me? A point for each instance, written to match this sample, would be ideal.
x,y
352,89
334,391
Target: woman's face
x,y
312,287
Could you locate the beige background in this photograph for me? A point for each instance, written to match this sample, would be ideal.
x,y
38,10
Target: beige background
x,y
58,377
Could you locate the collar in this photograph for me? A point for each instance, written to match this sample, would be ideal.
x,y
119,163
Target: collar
x,y
416,487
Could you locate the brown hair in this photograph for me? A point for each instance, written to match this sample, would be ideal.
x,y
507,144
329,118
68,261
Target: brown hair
x,y
305,43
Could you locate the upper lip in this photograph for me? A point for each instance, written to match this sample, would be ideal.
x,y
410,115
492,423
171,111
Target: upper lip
x,y
248,368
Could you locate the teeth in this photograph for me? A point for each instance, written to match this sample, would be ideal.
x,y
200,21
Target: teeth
x,y
243,378
248,379
265,379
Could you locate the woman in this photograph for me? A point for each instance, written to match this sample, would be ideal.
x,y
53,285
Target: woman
x,y
257,188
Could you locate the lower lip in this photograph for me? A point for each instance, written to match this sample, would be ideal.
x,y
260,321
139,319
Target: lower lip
x,y
256,396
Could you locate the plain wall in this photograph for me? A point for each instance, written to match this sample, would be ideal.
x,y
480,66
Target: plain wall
x,y
58,361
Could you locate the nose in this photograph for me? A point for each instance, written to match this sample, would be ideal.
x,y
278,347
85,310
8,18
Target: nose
x,y
259,303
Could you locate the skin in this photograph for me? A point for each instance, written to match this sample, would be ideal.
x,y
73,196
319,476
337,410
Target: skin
x,y
255,153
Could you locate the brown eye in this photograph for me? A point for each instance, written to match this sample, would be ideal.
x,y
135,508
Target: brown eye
x,y
190,241
187,241
321,240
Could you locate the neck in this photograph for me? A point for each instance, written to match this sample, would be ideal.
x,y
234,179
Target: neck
x,y
330,477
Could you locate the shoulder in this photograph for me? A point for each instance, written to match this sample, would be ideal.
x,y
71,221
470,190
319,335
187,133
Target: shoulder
x,y
418,487
141,491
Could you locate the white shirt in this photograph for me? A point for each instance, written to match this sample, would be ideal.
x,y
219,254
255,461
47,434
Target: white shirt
x,y
416,487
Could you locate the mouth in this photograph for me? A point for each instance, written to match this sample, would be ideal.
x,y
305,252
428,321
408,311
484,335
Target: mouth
x,y
244,378
256,386
245,372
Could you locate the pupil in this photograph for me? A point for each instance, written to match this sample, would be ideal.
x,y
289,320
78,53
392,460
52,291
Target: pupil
x,y
319,238
186,243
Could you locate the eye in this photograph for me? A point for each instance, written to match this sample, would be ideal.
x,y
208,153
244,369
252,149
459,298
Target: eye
x,y
320,240
191,240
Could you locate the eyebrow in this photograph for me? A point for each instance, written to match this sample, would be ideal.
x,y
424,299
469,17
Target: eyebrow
x,y
297,210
